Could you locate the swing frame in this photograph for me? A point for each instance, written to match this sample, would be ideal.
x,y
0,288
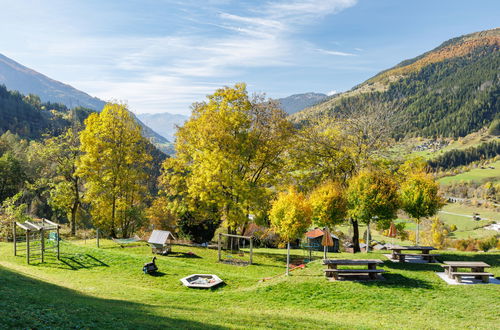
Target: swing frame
x,y
219,245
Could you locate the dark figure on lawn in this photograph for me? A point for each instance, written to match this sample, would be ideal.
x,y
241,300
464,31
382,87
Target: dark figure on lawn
x,y
150,267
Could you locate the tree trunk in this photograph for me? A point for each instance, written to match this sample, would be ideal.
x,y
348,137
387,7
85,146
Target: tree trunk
x,y
368,237
288,259
355,236
74,209
113,211
418,231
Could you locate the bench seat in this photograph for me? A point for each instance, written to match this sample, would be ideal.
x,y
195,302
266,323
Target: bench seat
x,y
401,256
334,273
361,271
485,277
417,254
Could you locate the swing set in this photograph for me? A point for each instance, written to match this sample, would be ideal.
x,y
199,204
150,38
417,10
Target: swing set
x,y
233,255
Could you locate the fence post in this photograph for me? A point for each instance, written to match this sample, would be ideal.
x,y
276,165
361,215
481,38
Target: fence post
x,y
219,246
28,246
42,243
251,250
15,239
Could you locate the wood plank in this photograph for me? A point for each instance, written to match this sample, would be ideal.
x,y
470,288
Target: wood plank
x,y
351,261
355,270
471,274
466,264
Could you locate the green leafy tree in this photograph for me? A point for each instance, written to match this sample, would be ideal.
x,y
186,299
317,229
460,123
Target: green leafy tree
x,y
60,155
114,164
372,196
290,216
419,197
12,175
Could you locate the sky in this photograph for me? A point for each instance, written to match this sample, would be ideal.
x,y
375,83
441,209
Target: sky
x,y
163,55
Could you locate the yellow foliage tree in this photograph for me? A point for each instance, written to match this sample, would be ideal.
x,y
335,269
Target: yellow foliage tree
x,y
228,154
114,164
290,216
328,204
419,196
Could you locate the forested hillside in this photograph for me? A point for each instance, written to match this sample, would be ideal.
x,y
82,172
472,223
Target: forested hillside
x,y
450,91
28,117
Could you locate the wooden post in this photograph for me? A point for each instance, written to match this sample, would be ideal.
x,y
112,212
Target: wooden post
x,y
251,250
28,246
368,237
42,243
58,247
97,236
288,259
219,247
14,235
418,231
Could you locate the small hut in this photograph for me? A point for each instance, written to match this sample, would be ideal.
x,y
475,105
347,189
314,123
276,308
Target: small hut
x,y
315,237
161,241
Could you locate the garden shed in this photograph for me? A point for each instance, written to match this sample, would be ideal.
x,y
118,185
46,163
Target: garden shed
x,y
314,238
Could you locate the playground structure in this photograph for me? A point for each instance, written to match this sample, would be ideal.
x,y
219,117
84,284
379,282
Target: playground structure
x,y
161,241
229,257
39,237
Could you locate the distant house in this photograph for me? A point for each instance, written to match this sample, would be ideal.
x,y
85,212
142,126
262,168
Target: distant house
x,y
314,238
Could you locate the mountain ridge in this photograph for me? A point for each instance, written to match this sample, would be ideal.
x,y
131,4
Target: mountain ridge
x,y
455,84
18,77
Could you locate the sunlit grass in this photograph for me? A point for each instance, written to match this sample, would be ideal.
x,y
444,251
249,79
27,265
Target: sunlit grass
x,y
105,288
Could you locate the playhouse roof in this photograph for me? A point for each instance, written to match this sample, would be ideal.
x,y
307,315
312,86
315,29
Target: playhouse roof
x,y
316,232
160,236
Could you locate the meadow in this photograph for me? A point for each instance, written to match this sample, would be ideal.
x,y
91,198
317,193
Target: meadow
x,y
476,175
105,288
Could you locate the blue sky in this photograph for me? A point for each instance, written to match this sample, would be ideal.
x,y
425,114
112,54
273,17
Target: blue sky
x,y
163,55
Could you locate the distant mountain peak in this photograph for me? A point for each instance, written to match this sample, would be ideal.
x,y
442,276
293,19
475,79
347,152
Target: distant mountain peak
x,y
296,102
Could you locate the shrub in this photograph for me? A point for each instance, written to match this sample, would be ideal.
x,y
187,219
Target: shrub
x,y
488,243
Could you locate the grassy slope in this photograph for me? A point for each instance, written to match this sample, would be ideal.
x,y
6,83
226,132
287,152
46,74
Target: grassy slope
x,y
477,175
106,289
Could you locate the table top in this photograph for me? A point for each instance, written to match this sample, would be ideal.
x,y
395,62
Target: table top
x,y
466,264
422,248
351,261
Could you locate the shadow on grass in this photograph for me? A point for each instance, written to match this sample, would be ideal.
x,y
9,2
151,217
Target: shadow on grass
x,y
399,281
157,274
71,261
31,303
412,266
183,255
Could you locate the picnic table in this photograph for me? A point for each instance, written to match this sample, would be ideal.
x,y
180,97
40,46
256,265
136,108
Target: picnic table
x,y
476,267
371,267
424,252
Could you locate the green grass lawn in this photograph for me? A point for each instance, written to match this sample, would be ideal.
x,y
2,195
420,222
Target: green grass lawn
x,y
105,288
476,175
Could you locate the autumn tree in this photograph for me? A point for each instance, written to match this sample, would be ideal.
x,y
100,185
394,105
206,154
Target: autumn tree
x,y
114,164
419,193
228,155
372,196
290,216
59,155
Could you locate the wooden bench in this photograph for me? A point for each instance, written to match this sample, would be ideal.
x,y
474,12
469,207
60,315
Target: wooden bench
x,y
425,256
335,272
485,277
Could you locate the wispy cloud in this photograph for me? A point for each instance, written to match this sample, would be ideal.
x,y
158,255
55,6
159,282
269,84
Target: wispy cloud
x,y
170,70
333,52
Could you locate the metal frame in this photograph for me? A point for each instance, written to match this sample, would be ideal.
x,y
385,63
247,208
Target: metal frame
x,y
219,245
34,229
